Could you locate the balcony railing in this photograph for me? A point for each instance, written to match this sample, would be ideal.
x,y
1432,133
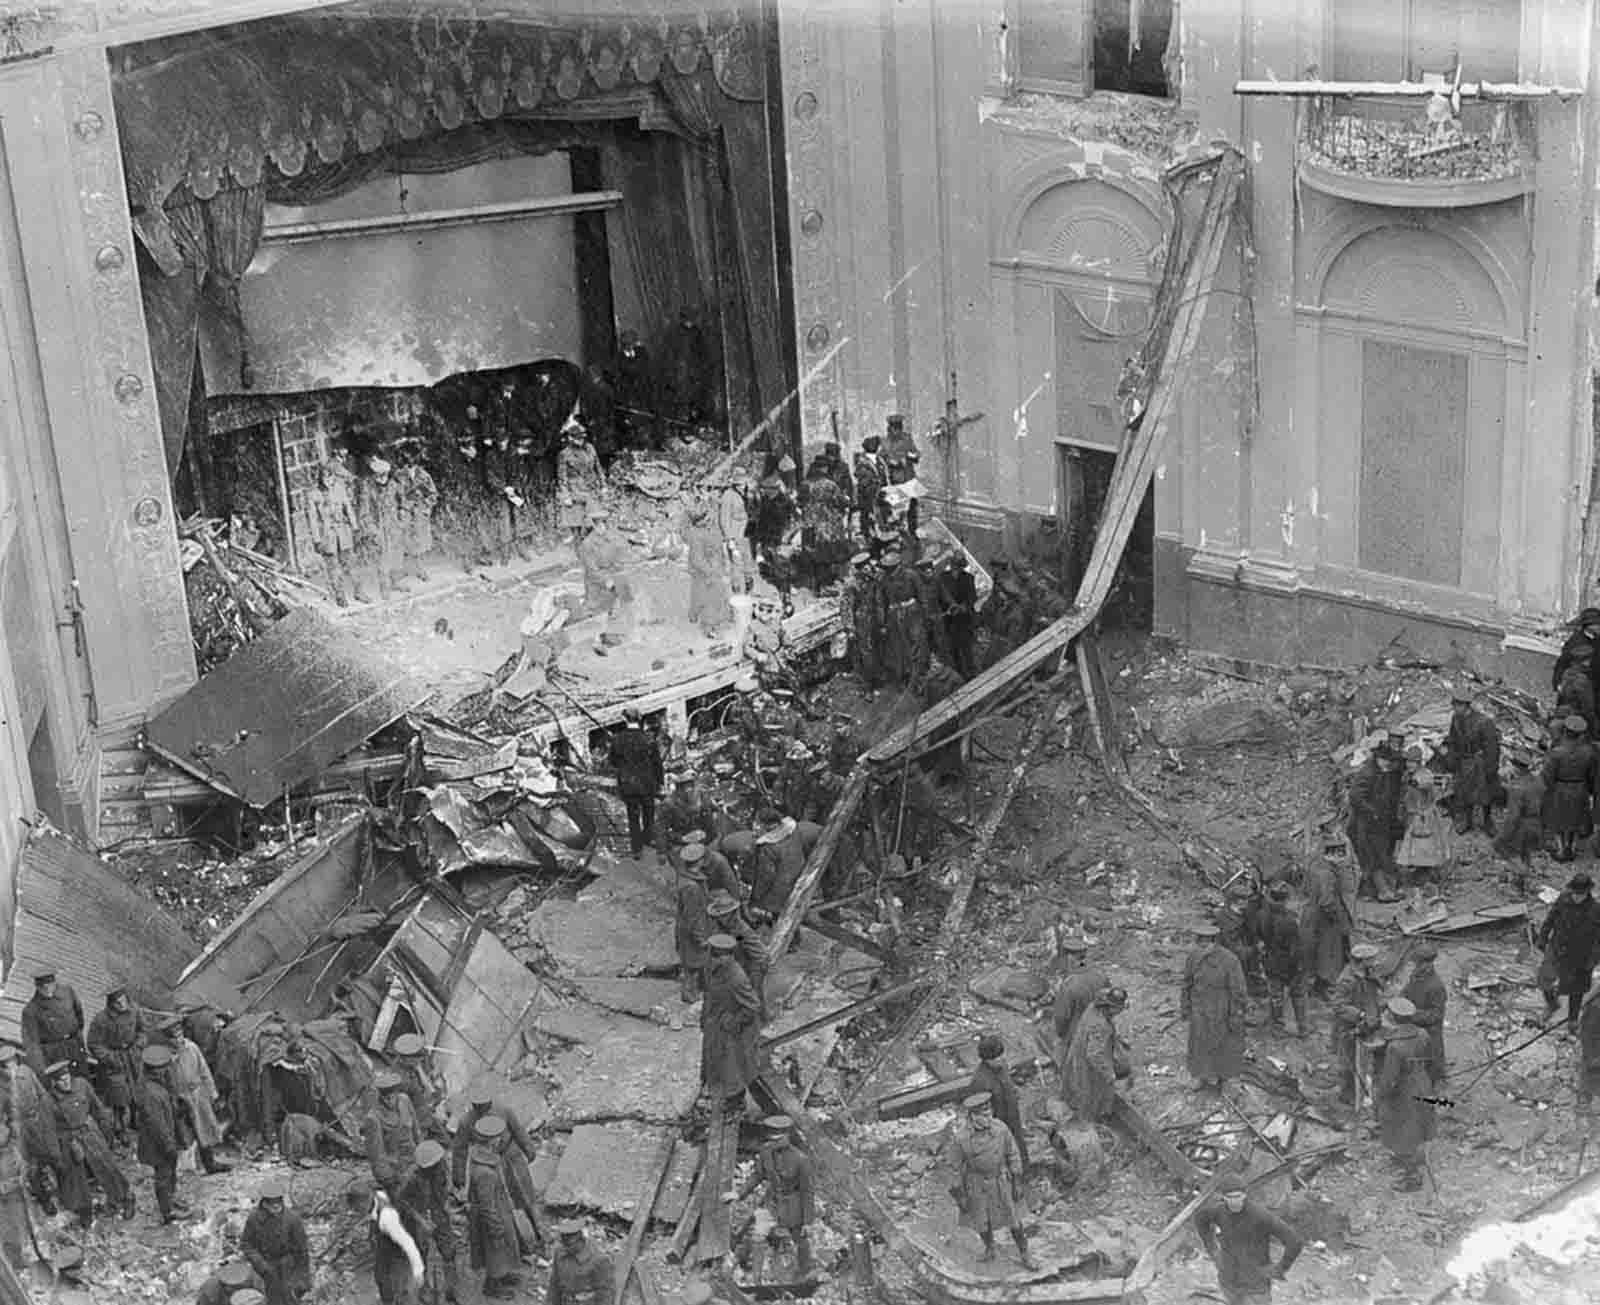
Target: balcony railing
x,y
1419,142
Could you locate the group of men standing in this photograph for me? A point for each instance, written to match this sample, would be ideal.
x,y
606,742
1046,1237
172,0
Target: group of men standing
x,y
81,1094
377,523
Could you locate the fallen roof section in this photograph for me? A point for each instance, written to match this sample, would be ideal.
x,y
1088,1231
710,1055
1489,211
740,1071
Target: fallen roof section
x,y
281,710
78,916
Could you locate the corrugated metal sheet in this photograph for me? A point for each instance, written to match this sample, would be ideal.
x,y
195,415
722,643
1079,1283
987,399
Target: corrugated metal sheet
x,y
282,710
77,915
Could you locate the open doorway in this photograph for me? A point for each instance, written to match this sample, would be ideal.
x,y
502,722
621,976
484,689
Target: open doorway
x,y
1083,480
46,778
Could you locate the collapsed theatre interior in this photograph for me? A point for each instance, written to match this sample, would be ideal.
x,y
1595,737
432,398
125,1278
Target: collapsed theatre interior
x,y
410,233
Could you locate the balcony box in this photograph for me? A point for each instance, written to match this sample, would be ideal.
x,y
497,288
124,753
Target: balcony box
x,y
1414,152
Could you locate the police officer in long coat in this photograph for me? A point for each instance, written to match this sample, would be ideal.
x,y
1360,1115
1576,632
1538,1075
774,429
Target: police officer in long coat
x,y
511,1142
390,1130
117,1039
986,1168
691,925
25,1100
636,757
52,1024
163,1131
1355,1014
491,1215
1213,1001
1377,819
1570,940
1425,990
1326,920
730,1025
81,1121
1571,776
1472,755
1400,1089
786,1172
728,917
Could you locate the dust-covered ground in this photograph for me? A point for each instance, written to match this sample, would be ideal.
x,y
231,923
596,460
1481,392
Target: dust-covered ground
x,y
1248,767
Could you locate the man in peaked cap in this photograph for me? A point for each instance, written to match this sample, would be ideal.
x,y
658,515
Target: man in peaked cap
x,y
117,1036
411,1061
512,1143
1426,991
1377,820
491,1214
786,1172
730,1025
692,922
1570,939
728,917
390,1130
426,1190
579,1273
1472,755
163,1130
52,1024
1238,1234
1283,958
1083,982
1400,1090
636,757
1355,1003
1571,775
987,1178
1213,1002
274,1243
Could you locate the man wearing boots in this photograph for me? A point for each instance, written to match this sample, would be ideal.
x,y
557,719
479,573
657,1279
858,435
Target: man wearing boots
x,y
1571,776
692,925
1283,959
162,1132
1570,940
1399,1090
81,1118
1426,991
730,1026
1238,1235
786,1172
1213,1002
1377,820
636,757
116,1041
986,1168
1355,1014
1096,1059
1472,755
52,1024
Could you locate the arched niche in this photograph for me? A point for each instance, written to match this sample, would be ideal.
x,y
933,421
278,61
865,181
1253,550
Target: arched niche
x,y
1091,227
1414,276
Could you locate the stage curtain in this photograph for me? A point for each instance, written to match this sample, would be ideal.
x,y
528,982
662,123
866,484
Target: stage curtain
x,y
172,321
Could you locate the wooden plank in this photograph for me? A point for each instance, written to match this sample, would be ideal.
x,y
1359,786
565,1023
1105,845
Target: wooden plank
x,y
690,1219
1102,720
1173,1160
915,1101
641,1221
839,934
844,1013
794,910
722,1153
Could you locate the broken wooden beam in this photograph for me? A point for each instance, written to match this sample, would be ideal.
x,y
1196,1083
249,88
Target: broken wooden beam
x,y
1102,719
918,1100
689,1220
794,910
721,1157
641,1220
1172,1160
839,934
844,1013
